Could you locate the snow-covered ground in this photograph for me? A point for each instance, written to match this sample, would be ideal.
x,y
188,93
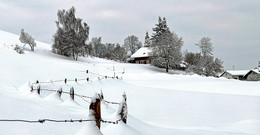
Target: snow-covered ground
x,y
158,103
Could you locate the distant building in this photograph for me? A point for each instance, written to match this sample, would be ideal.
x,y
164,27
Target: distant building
x,y
235,74
253,75
141,56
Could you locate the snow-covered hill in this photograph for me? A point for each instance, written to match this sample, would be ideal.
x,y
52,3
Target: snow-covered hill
x,y
158,103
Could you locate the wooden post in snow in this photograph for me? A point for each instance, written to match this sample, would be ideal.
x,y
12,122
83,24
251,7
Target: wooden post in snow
x,y
72,93
65,80
59,92
101,95
122,109
31,87
95,109
39,89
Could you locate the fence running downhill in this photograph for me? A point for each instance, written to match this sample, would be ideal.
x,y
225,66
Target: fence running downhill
x,y
94,107
99,76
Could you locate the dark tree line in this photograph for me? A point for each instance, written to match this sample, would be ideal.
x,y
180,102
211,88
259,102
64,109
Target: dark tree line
x,y
111,51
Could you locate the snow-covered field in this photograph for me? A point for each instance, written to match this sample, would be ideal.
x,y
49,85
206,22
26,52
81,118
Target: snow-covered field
x,y
158,103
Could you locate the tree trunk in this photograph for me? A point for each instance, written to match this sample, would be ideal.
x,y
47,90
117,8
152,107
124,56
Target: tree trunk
x,y
167,65
32,48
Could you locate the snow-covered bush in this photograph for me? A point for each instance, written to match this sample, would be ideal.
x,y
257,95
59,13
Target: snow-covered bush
x,y
18,49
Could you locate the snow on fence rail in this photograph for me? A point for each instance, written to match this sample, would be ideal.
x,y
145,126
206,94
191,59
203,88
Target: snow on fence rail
x,y
71,93
100,77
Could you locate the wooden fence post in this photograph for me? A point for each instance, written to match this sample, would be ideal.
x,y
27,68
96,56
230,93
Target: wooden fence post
x,y
31,87
65,80
76,80
39,89
87,79
72,93
101,95
59,92
95,107
122,109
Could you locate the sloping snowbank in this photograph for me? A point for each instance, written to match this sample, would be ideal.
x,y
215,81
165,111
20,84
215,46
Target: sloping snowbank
x,y
158,103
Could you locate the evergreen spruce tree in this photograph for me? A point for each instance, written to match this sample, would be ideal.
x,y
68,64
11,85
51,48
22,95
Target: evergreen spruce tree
x,y
166,46
147,40
71,35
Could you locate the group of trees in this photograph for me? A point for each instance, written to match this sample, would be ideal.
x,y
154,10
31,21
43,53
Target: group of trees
x,y
72,34
166,52
111,51
204,63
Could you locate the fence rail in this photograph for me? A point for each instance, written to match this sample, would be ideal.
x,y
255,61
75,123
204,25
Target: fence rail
x,y
78,95
58,121
81,79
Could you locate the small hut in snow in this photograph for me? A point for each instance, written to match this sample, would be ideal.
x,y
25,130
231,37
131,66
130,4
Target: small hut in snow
x,y
142,56
235,74
253,75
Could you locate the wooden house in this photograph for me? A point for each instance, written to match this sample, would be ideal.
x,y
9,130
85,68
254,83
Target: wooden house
x,y
141,56
253,75
235,74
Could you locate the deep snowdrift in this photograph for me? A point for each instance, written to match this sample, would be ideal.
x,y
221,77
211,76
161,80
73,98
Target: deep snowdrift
x,y
158,103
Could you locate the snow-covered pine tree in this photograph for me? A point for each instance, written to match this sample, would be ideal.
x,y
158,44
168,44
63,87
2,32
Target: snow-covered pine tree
x,y
72,33
147,40
166,46
27,39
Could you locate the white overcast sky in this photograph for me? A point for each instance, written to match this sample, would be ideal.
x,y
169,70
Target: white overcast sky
x,y
233,25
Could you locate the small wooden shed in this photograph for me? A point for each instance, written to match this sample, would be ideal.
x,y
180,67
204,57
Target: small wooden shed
x,y
253,75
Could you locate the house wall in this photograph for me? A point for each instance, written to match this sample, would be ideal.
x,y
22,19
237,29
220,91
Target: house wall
x,y
227,75
142,60
253,77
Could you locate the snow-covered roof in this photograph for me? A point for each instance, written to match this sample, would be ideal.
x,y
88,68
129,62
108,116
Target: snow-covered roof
x,y
142,52
255,70
238,72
